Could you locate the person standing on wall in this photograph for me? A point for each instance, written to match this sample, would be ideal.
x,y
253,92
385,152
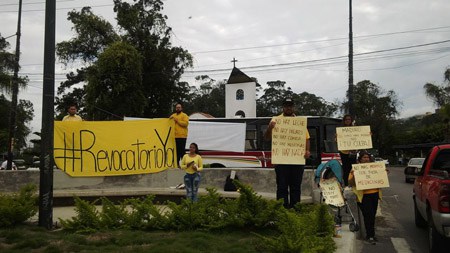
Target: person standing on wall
x,y
192,163
347,157
288,176
181,130
72,114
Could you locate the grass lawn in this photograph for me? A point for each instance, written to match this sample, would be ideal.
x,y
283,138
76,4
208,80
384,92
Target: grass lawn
x,y
31,238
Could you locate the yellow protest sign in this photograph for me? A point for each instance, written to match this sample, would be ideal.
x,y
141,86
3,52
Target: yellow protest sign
x,y
289,140
370,175
113,148
353,138
332,192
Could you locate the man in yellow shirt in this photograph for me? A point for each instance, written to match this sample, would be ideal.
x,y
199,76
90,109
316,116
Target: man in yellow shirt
x,y
181,130
72,114
288,176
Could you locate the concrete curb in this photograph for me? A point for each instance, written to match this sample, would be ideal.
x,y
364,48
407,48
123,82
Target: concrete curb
x,y
347,242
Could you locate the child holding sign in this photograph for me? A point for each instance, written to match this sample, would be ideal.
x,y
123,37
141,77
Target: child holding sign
x,y
367,201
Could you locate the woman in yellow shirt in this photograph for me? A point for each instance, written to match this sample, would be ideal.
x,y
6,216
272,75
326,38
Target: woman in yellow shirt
x,y
192,164
367,201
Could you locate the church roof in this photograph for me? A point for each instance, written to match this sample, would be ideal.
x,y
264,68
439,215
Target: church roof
x,y
237,76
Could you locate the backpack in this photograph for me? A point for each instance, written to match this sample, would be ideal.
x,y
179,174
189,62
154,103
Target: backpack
x,y
229,186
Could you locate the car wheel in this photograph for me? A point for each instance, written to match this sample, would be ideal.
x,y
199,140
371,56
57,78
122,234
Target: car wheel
x,y
435,240
418,219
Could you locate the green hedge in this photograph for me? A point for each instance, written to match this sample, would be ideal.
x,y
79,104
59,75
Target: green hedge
x,y
306,228
18,207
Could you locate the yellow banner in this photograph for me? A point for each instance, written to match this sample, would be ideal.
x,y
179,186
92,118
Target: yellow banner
x,y
354,138
114,148
289,140
370,175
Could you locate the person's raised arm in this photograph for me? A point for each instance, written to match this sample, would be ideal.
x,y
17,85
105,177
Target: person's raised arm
x,y
268,133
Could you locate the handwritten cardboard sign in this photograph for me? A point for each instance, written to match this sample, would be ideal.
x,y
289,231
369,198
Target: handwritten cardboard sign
x,y
370,175
289,140
353,138
332,192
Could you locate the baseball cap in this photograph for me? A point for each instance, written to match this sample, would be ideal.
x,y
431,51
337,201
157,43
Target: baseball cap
x,y
288,102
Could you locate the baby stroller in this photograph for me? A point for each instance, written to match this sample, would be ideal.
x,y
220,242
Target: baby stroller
x,y
329,170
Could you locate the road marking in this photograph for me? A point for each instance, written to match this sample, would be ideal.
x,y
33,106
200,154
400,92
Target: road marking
x,y
400,245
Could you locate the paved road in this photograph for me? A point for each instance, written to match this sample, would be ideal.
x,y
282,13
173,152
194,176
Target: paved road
x,y
395,226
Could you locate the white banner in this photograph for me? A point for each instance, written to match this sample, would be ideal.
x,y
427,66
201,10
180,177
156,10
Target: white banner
x,y
219,136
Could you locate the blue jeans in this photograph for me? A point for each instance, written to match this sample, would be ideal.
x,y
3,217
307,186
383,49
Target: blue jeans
x,y
191,182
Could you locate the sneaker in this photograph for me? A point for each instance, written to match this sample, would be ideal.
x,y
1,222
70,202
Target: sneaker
x,y
370,240
375,239
180,186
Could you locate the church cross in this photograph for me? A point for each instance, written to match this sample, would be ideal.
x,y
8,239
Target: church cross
x,y
234,62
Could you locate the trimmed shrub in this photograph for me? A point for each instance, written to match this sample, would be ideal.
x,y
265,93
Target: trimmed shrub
x,y
16,208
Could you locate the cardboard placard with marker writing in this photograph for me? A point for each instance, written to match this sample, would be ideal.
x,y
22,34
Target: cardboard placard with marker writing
x,y
370,175
289,140
354,138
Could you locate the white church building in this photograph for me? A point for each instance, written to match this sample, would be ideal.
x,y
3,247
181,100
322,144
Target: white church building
x,y
240,95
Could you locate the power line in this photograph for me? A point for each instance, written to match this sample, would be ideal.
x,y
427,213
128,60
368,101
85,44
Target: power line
x,y
15,4
323,59
324,40
65,8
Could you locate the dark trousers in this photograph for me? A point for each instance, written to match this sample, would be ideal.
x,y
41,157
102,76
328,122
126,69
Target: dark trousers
x,y
347,162
369,206
181,148
289,183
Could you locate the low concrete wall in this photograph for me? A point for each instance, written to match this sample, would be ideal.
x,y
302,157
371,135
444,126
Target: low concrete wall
x,y
262,180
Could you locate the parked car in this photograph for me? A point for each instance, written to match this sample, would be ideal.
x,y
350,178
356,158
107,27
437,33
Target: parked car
x,y
431,195
20,164
379,159
412,168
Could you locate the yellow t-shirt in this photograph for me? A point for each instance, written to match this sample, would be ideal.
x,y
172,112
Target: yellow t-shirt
x,y
181,128
197,159
360,193
72,118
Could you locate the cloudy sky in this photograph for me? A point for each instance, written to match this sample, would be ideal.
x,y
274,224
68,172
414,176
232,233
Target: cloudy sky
x,y
398,44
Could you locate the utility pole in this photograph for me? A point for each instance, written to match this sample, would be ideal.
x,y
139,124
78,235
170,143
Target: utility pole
x,y
15,91
351,109
48,97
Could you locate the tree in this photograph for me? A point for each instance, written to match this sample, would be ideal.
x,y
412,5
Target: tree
x,y
440,95
25,114
208,98
6,65
142,26
310,104
116,76
377,108
270,103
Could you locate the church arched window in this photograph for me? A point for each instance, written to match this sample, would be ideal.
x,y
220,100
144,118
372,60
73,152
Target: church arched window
x,y
240,94
240,114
